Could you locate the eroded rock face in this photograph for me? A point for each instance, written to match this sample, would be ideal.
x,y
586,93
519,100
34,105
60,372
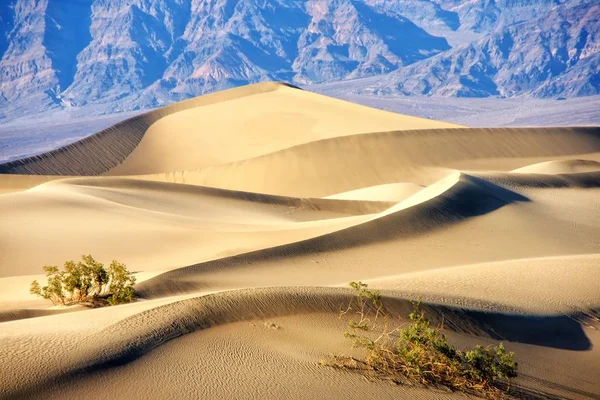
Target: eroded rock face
x,y
124,55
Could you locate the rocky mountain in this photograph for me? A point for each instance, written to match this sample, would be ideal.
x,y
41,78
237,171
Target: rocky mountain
x,y
117,55
556,55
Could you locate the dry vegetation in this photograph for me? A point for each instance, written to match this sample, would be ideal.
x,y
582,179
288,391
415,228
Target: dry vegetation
x,y
418,353
86,282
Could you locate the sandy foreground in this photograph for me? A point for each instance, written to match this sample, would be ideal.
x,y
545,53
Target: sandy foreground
x,y
255,207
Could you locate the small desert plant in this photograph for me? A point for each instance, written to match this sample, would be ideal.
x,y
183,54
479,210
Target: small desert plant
x,y
86,282
419,353
121,284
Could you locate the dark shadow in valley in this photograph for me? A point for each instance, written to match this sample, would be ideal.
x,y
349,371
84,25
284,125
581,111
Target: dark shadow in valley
x,y
67,34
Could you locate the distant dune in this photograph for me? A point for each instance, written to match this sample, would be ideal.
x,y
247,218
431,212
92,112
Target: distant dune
x,y
256,206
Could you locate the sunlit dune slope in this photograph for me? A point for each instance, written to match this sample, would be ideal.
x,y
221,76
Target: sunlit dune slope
x,y
253,125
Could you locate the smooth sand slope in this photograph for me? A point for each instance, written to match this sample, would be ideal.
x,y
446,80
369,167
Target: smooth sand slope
x,y
256,206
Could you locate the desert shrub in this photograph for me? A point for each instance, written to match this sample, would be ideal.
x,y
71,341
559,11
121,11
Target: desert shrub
x,y
419,353
121,284
86,282
54,290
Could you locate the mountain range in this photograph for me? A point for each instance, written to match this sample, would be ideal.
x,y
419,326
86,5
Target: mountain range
x,y
117,55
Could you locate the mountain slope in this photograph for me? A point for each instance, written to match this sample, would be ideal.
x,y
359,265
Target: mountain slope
x,y
554,56
119,56
154,52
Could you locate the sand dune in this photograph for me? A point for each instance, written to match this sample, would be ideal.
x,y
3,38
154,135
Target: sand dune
x,y
561,167
133,336
464,217
256,206
391,192
204,131
122,218
327,167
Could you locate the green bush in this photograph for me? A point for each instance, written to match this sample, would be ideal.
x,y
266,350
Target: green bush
x,y
86,282
121,284
419,353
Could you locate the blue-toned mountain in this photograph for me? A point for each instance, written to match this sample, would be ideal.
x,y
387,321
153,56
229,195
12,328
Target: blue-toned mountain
x,y
117,55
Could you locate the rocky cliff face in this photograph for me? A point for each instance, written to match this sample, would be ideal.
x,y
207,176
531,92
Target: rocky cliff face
x,y
114,55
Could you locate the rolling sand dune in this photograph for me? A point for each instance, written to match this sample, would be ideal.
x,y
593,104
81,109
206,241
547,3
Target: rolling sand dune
x,y
245,213
342,164
124,217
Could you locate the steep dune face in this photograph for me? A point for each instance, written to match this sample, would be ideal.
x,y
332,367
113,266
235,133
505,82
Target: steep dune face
x,y
253,206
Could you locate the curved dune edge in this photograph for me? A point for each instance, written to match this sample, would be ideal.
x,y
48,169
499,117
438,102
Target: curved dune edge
x,y
454,199
137,335
431,208
436,207
131,215
443,207
107,187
